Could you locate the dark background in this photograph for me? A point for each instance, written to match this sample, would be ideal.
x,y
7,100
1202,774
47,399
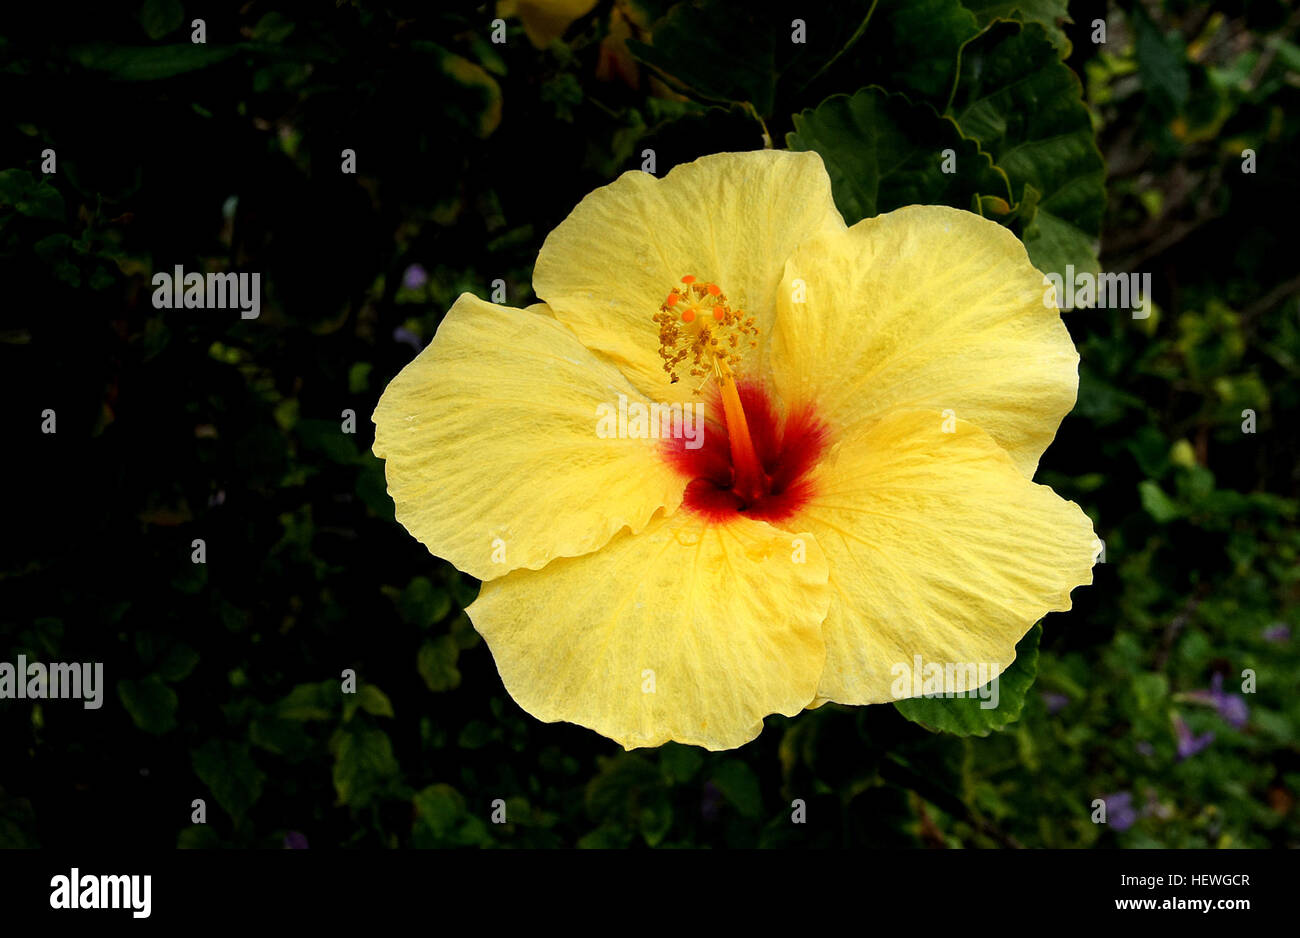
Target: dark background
x,y
182,424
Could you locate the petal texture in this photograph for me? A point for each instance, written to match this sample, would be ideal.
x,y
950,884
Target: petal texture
x,y
939,547
491,443
730,218
926,307
688,631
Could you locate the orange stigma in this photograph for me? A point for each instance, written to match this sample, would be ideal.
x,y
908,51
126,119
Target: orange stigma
x,y
699,330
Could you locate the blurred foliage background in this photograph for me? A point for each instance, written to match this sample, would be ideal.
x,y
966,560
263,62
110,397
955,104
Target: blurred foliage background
x,y
223,678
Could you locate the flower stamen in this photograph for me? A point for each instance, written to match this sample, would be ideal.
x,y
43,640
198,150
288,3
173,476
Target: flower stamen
x,y
698,326
698,329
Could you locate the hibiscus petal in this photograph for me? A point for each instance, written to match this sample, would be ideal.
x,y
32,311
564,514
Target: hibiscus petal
x,y
926,307
730,218
493,457
721,623
939,547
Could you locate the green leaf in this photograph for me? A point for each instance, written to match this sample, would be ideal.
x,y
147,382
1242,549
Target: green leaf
x,y
473,96
914,46
628,792
440,807
327,438
1162,65
1050,14
476,734
1150,692
359,377
229,772
101,279
310,702
422,604
151,703
68,273
363,763
1102,402
35,199
1025,107
436,662
283,737
739,785
882,152
56,245
41,201
160,17
655,820
966,716
680,763
177,664
372,487
148,63
757,50
1054,244
687,51
273,27
1156,503
441,820
368,698
14,185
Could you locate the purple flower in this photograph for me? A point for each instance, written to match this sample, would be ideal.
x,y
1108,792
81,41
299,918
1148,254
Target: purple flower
x,y
1144,748
1189,745
1120,813
1278,633
402,334
294,840
415,277
1232,707
1055,702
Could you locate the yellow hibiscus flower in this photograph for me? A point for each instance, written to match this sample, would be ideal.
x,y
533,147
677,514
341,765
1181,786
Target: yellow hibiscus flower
x,y
878,399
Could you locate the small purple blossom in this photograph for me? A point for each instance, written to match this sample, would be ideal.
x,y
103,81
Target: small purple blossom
x,y
295,840
403,334
1144,748
415,277
1279,633
1055,702
1189,744
1232,707
1120,813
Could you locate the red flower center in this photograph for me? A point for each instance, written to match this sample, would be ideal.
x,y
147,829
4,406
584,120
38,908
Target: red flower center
x,y
786,451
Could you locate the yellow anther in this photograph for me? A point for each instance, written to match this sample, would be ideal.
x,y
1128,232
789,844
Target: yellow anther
x,y
699,330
